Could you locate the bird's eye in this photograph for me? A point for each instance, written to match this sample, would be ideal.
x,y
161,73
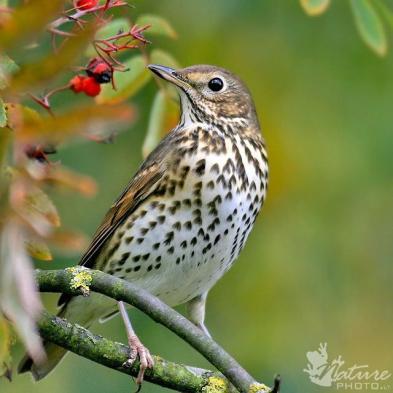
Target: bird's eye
x,y
216,84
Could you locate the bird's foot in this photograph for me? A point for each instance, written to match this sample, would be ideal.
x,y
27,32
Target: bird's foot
x,y
137,349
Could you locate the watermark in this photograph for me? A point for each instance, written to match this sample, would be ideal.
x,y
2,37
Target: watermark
x,y
335,373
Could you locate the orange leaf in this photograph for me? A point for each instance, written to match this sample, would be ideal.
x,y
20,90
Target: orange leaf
x,y
82,120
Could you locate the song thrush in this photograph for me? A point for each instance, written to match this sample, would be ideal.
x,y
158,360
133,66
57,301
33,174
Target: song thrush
x,y
184,217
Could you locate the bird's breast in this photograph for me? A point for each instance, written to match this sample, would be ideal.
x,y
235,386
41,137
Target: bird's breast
x,y
183,238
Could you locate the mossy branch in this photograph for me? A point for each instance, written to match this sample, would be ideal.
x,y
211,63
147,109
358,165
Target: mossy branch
x,y
81,341
111,354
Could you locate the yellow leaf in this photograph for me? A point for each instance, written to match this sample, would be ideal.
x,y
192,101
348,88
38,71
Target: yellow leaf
x,y
6,341
39,250
128,82
315,7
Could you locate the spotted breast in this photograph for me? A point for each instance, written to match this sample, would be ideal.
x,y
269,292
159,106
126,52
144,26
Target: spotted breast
x,y
183,238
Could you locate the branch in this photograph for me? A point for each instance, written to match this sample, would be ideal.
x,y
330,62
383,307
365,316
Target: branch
x,y
79,340
77,280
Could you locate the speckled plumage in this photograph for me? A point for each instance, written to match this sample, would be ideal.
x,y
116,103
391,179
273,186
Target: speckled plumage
x,y
186,214
189,231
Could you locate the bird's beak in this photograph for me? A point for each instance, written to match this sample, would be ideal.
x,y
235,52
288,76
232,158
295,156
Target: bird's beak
x,y
169,74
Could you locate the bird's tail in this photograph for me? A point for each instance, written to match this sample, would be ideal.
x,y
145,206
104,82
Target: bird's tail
x,y
78,310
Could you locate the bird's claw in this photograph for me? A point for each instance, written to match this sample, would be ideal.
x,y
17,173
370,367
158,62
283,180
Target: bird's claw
x,y
146,361
137,349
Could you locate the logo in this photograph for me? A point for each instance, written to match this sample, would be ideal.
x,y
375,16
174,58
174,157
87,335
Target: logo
x,y
335,373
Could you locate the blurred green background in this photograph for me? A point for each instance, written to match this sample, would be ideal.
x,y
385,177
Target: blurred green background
x,y
318,265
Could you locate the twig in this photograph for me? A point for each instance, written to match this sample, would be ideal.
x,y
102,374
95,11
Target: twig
x,y
78,14
118,289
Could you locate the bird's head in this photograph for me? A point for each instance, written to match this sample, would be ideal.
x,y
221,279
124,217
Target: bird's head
x,y
211,94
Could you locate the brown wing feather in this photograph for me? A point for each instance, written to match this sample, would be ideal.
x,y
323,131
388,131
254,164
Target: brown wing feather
x,y
137,191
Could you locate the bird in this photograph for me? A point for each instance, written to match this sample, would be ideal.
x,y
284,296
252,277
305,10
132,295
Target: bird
x,y
185,215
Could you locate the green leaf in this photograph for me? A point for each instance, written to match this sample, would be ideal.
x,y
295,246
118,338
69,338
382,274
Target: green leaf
x,y
158,25
5,138
6,341
164,115
385,11
110,29
27,21
369,26
127,83
155,123
3,114
158,56
315,7
7,68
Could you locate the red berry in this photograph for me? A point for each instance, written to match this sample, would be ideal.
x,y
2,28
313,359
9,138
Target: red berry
x,y
84,5
91,87
101,67
77,83
100,70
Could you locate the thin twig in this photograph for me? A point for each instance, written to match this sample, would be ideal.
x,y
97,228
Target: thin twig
x,y
78,14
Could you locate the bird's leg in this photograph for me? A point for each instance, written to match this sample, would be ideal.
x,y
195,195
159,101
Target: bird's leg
x,y
196,312
136,347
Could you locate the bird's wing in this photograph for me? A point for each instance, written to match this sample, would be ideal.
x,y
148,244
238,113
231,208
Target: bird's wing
x,y
135,193
138,190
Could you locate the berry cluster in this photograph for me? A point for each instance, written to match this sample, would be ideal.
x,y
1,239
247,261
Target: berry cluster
x,y
98,72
